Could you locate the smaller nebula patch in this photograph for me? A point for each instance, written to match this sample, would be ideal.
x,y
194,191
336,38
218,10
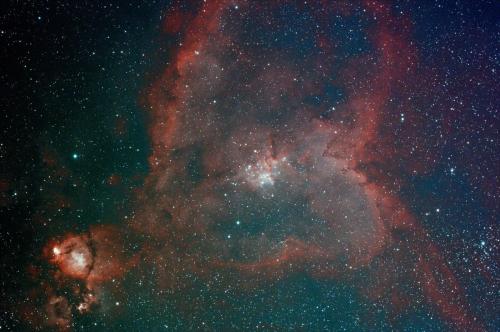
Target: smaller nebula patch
x,y
74,257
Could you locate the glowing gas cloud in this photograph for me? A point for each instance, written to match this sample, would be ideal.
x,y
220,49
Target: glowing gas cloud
x,y
273,158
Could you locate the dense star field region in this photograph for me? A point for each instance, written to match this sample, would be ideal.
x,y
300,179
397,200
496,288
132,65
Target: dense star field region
x,y
227,165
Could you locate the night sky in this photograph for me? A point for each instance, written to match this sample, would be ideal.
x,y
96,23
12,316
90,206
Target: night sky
x,y
250,165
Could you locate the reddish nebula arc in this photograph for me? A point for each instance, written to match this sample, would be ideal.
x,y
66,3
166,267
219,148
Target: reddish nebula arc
x,y
330,163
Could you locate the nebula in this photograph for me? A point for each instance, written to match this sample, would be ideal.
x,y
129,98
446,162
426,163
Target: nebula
x,y
94,257
268,162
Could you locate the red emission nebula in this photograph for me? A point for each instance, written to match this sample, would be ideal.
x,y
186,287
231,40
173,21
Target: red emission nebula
x,y
235,144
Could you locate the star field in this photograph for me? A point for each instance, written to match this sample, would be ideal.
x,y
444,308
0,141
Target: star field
x,y
229,165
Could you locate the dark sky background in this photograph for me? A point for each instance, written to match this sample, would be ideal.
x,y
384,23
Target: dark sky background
x,y
77,83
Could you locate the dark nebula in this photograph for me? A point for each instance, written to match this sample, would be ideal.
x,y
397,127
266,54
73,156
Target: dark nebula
x,y
303,166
